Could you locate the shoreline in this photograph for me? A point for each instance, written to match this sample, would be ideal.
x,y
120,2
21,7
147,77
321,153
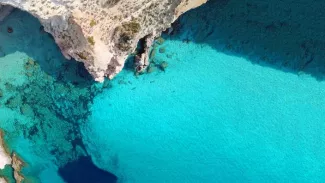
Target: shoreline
x,y
3,180
5,158
12,159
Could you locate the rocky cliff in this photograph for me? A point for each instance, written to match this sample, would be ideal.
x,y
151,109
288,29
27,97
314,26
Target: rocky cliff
x,y
101,33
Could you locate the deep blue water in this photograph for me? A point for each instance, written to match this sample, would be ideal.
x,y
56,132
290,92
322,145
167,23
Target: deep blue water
x,y
242,100
83,170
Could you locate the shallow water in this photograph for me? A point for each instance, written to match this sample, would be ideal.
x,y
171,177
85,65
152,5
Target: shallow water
x,y
241,100
44,100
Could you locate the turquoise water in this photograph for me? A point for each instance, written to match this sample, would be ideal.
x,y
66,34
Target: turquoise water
x,y
44,99
221,119
241,100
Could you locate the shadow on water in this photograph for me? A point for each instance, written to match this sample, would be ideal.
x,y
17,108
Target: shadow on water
x,y
29,37
282,34
84,171
55,99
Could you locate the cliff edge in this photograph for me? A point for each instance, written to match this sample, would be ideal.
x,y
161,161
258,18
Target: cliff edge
x,y
101,33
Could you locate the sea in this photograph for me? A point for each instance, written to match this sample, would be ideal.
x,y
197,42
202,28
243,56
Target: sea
x,y
235,93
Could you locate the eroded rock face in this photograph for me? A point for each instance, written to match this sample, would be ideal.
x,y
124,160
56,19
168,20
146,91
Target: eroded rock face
x,y
101,33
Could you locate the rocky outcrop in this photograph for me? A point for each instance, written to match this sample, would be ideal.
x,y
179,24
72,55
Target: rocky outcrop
x,y
14,160
5,158
17,165
2,180
101,33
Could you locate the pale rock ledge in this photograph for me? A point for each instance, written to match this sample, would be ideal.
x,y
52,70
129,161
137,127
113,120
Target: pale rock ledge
x,y
101,33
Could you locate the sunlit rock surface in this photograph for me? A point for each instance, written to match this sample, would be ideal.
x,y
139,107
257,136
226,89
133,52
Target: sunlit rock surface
x,y
4,156
102,33
3,180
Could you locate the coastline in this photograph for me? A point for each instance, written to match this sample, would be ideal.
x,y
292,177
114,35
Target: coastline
x,y
17,165
5,158
11,159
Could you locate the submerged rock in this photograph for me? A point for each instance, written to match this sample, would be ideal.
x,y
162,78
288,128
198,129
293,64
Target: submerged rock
x,y
163,65
102,33
151,68
47,100
13,102
160,40
162,50
27,110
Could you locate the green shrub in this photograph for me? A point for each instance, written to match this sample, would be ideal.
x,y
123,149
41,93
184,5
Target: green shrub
x,y
91,40
92,23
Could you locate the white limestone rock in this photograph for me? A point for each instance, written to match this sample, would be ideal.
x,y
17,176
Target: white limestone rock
x,y
2,180
5,158
101,33
13,160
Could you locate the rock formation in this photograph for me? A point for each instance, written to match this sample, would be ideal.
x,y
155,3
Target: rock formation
x,y
17,165
5,158
13,160
101,33
2,180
